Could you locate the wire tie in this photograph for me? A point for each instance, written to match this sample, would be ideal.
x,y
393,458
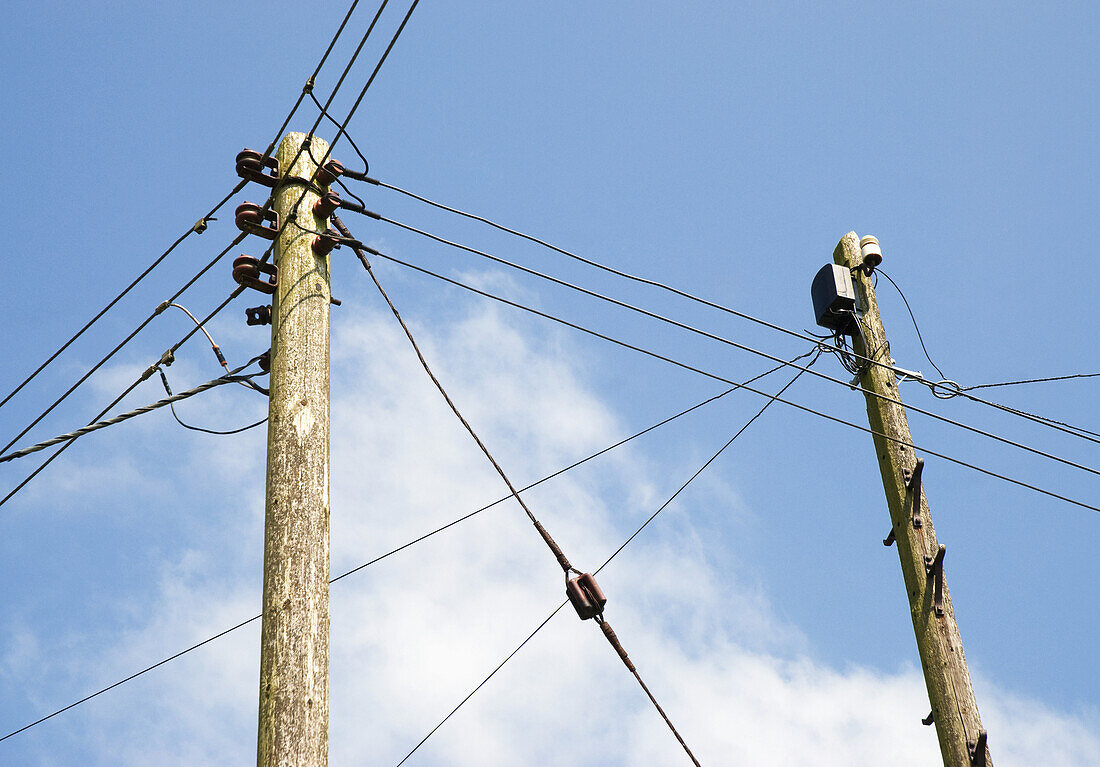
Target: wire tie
x,y
308,87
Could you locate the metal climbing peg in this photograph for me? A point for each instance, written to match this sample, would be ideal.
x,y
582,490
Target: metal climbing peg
x,y
933,567
913,485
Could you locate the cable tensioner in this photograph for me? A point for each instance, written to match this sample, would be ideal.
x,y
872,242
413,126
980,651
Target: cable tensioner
x,y
585,595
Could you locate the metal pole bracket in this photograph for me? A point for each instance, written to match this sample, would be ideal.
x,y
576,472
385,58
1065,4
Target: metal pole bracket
x,y
258,315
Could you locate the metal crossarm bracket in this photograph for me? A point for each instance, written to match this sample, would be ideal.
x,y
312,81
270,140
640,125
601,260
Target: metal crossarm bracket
x,y
889,539
928,720
913,486
933,566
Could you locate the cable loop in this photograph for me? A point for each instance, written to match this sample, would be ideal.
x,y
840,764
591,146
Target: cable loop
x,y
952,387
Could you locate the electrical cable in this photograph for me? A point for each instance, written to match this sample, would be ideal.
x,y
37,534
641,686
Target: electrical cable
x,y
1031,381
160,308
721,339
404,546
559,555
355,147
944,386
200,226
597,572
343,127
710,460
172,406
165,360
308,88
230,377
197,228
714,376
313,77
916,327
556,550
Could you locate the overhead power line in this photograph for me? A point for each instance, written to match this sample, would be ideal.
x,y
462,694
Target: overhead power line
x,y
615,553
402,547
160,308
1032,380
230,377
556,550
313,77
945,389
196,228
685,366
168,355
343,126
723,340
308,89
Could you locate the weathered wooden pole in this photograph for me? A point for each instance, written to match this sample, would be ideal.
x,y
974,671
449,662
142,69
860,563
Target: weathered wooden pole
x,y
293,719
954,710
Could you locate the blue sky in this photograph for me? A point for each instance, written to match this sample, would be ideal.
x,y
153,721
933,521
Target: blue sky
x,y
722,148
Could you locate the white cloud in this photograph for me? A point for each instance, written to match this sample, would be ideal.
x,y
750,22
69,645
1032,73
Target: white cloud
x,y
416,632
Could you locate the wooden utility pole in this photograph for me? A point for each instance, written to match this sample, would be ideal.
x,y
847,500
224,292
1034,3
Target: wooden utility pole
x,y
954,711
293,721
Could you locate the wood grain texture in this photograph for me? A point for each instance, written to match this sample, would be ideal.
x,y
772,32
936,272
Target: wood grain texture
x,y
293,716
938,642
